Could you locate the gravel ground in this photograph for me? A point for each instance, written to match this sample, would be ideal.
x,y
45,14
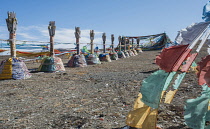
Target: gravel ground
x,y
94,97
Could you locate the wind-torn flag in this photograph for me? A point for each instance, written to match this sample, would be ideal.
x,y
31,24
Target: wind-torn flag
x,y
152,88
189,34
170,56
196,110
204,71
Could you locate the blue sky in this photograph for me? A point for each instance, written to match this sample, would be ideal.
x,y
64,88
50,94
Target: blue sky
x,y
118,17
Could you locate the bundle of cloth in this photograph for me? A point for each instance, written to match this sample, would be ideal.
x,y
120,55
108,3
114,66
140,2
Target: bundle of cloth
x,y
13,68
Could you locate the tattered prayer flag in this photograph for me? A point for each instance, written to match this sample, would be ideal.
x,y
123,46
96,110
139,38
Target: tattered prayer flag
x,y
207,116
152,88
196,110
189,62
189,34
169,57
169,96
204,71
137,117
168,80
209,106
206,11
171,93
151,120
181,59
178,80
138,103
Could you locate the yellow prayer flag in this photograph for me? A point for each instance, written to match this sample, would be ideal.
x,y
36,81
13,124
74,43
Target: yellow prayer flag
x,y
151,120
137,117
138,103
170,96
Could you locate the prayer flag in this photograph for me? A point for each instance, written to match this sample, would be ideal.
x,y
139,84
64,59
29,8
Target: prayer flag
x,y
137,117
169,56
152,88
204,71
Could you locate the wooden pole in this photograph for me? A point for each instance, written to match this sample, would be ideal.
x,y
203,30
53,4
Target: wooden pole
x,y
91,40
12,27
132,44
51,29
120,39
77,35
138,41
124,41
104,41
112,38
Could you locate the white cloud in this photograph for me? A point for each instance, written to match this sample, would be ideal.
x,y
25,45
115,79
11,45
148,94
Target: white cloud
x,y
62,35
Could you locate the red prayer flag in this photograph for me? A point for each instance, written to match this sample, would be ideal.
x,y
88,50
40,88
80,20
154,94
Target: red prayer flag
x,y
189,62
169,57
204,71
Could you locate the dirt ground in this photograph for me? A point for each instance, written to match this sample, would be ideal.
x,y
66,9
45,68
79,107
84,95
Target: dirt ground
x,y
93,97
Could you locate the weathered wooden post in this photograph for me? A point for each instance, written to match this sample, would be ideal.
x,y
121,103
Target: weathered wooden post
x,y
120,53
138,41
12,27
92,58
104,41
104,56
51,29
112,39
91,40
124,41
113,54
51,63
125,45
77,35
133,49
132,41
138,49
13,68
77,60
120,40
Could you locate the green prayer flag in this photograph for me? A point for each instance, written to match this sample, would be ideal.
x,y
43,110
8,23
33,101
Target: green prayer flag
x,y
196,110
152,88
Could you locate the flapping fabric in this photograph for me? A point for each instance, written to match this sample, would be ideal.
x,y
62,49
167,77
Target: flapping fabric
x,y
1,50
168,80
29,54
138,103
169,57
204,71
196,110
206,12
152,42
137,117
189,34
170,95
151,120
152,88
